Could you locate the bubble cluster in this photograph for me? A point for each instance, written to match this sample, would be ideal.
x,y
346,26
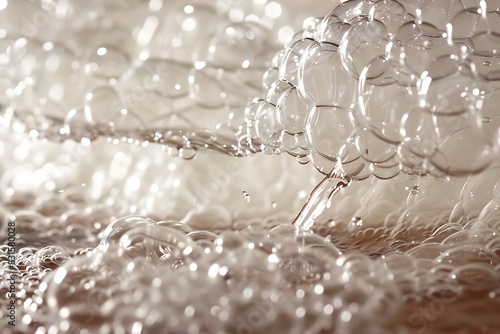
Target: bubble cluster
x,y
386,86
141,275
173,73
392,256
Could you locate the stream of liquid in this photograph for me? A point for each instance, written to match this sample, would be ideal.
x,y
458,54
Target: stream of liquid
x,y
320,199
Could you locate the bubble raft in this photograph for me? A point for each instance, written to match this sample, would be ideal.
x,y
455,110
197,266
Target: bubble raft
x,y
386,86
142,274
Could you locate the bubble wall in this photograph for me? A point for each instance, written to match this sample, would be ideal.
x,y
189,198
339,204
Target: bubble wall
x,y
258,166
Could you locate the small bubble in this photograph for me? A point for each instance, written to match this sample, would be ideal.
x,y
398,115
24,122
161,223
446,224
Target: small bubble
x,y
187,153
107,62
246,196
303,160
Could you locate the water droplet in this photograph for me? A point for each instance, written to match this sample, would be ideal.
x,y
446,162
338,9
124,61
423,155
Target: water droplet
x,y
187,153
246,196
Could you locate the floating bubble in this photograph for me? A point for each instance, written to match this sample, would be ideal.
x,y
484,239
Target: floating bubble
x,y
322,80
104,106
107,61
266,126
292,112
327,140
365,40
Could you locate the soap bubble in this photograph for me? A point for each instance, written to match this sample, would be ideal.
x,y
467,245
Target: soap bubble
x,y
132,49
418,79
